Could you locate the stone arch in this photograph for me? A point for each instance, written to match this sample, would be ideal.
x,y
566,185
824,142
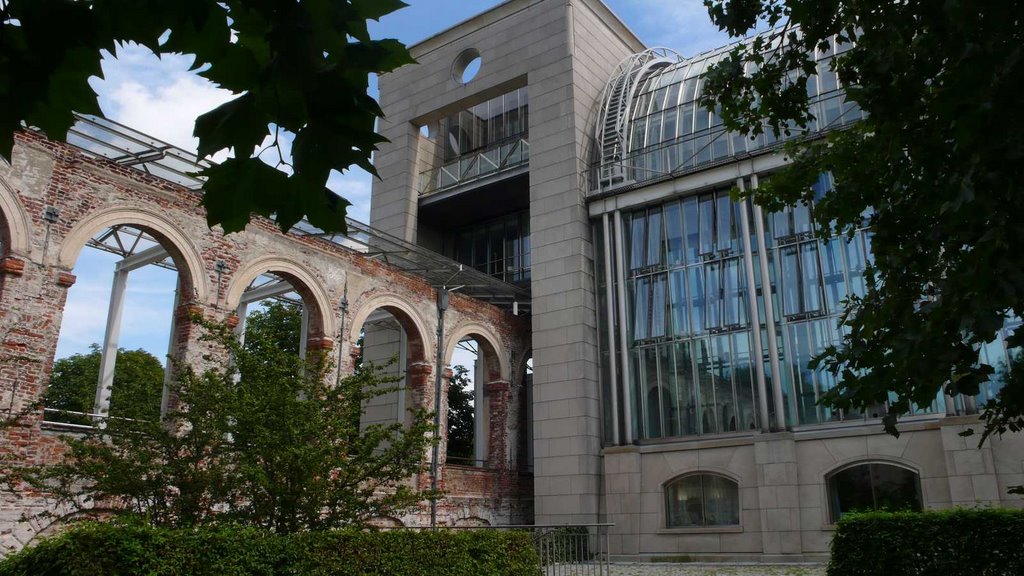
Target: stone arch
x,y
472,522
419,348
314,295
494,353
191,272
15,232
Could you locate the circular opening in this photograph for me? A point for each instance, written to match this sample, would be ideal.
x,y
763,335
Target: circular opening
x,y
467,65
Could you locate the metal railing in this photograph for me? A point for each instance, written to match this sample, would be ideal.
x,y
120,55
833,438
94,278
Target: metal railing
x,y
497,158
567,549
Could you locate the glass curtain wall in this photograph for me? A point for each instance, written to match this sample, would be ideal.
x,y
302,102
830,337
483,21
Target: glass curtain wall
x,y
688,320
498,247
485,138
671,133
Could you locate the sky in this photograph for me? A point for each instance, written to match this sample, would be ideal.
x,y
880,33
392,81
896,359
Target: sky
x,y
160,97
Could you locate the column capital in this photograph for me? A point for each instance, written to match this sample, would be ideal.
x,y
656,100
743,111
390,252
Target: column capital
x,y
11,265
66,279
320,343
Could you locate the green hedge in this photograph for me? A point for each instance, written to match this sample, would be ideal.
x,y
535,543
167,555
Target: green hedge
x,y
93,549
943,543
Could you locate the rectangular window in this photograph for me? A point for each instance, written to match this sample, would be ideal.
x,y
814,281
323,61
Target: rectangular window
x,y
654,240
673,234
638,240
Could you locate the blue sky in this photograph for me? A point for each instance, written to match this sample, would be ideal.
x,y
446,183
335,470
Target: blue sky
x,y
161,98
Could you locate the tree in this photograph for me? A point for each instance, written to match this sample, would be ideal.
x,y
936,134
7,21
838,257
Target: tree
x,y
136,391
298,67
266,442
934,169
460,417
277,326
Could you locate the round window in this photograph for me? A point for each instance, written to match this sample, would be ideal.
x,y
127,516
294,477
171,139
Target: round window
x,y
467,66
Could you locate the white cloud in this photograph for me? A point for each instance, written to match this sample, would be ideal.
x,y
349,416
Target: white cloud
x,y
354,185
157,96
682,25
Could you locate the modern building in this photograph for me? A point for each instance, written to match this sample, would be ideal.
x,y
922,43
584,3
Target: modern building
x,y
543,143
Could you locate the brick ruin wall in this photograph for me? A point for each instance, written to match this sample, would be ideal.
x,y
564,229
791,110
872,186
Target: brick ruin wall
x,y
91,195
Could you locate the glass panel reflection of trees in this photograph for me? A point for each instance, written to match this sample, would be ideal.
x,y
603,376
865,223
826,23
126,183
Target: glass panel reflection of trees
x,y
688,320
702,500
873,486
690,347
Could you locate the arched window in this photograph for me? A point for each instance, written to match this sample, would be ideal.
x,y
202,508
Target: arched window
x,y
702,500
873,486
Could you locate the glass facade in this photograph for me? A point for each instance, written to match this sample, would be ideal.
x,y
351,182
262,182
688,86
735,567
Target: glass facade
x,y
691,348
498,247
688,319
670,133
480,141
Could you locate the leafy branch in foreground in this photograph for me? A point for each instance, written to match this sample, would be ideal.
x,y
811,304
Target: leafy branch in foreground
x,y
297,68
267,443
934,169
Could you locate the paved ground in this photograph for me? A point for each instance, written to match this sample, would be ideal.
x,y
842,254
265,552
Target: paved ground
x,y
665,569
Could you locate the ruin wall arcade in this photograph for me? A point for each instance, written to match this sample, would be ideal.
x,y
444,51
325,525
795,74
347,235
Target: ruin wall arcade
x,y
54,199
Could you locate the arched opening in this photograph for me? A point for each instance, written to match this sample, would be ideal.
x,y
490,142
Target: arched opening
x,y
273,315
526,417
390,340
472,435
116,337
702,499
872,486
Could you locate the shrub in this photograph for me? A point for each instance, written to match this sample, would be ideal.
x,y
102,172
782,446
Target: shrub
x,y
939,543
126,550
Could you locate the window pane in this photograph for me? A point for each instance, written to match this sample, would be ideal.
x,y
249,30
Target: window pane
x,y
721,501
811,277
832,270
691,226
680,316
726,403
697,298
873,486
658,306
791,290
685,502
705,387
637,240
652,405
713,296
654,242
707,224
640,308
685,390
673,234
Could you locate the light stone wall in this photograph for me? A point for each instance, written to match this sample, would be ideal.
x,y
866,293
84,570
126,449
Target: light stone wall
x,y
783,495
563,51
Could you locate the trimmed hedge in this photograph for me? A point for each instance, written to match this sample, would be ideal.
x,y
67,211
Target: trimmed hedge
x,y
111,550
987,541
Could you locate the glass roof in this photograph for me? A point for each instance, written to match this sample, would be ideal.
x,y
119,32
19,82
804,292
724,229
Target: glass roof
x,y
666,133
103,138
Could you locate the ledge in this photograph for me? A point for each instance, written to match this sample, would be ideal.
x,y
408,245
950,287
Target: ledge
x,y
701,530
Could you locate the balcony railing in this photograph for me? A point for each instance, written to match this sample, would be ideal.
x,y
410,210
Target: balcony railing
x,y
495,159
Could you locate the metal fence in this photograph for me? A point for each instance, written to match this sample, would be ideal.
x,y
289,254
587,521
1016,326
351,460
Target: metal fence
x,y
567,549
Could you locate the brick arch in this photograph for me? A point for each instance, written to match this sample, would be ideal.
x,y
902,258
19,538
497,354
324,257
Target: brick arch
x,y
16,223
177,243
407,316
494,353
305,282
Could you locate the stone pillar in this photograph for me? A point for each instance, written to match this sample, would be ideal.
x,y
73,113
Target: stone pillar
x,y
778,494
497,433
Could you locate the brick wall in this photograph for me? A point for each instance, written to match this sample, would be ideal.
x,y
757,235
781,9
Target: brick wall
x,y
91,195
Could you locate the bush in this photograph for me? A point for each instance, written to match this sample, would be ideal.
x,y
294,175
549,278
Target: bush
x,y
940,543
114,550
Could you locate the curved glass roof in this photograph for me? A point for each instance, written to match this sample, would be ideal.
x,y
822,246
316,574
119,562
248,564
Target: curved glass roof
x,y
663,132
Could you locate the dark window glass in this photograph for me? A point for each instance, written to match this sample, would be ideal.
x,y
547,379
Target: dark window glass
x,y
873,486
702,500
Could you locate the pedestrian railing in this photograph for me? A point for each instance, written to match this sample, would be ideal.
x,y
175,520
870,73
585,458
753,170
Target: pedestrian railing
x,y
568,549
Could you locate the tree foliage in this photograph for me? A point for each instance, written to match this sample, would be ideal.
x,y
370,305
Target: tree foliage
x,y
276,326
460,417
935,170
136,391
297,68
266,442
